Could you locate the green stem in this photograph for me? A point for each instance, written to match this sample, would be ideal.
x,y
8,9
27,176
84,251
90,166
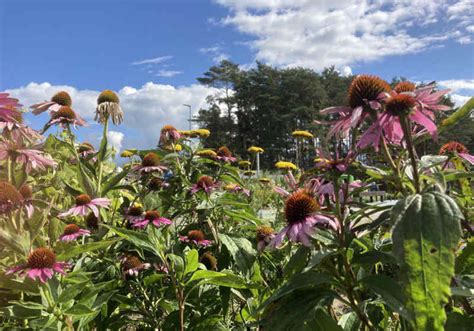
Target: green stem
x,y
101,162
405,124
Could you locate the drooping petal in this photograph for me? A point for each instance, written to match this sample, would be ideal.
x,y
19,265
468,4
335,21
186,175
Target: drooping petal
x,y
421,119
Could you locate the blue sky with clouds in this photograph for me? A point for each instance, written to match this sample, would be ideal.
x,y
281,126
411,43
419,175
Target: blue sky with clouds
x,y
151,51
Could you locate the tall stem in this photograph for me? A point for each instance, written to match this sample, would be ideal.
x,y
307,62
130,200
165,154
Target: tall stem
x,y
405,124
101,162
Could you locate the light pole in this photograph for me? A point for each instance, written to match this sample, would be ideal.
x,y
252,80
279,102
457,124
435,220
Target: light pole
x,y
190,114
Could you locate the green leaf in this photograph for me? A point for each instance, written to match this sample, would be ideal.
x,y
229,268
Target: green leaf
x,y
241,250
89,247
192,261
459,322
112,183
219,278
79,310
297,262
426,233
139,239
465,260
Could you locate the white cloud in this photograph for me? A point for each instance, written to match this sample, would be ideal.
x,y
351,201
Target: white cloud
x,y
146,109
345,71
216,52
168,73
155,60
458,99
115,139
458,84
318,34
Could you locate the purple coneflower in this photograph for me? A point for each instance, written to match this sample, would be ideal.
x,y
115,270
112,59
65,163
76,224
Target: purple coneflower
x,y
132,264
41,264
8,107
152,216
169,135
72,232
209,260
10,198
66,116
134,213
196,237
27,195
224,154
204,183
58,100
85,149
265,235
300,213
453,148
150,163
84,203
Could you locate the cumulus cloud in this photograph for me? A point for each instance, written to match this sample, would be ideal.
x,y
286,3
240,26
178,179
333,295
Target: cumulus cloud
x,y
459,100
115,139
156,60
458,84
318,34
216,52
146,109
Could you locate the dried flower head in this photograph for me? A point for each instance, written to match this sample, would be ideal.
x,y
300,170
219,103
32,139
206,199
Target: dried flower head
x,y
10,198
108,105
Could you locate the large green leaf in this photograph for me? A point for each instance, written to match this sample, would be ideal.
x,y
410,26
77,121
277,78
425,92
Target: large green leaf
x,y
89,247
427,230
241,250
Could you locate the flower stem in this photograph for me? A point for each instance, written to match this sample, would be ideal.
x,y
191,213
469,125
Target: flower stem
x,y
101,162
405,124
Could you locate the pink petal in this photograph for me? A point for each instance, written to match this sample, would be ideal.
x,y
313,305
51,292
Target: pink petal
x,y
419,118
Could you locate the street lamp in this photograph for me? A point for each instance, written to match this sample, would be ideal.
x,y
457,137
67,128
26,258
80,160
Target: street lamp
x,y
190,114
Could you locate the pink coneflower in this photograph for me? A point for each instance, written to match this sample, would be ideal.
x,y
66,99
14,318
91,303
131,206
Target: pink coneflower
x,y
453,149
169,135
60,99
328,162
84,203
224,154
72,232
204,183
364,99
265,235
134,213
10,198
209,261
15,124
300,213
196,237
152,216
132,265
8,106
31,158
85,149
150,163
41,264
66,116
27,195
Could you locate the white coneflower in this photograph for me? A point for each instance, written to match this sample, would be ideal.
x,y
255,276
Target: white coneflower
x,y
108,105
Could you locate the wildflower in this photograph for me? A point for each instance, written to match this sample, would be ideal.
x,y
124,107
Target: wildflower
x,y
84,203
224,154
41,264
207,153
264,180
300,214
156,184
302,134
327,162
150,163
134,213
204,183
209,260
65,116
108,105
364,98
201,133
234,188
265,235
10,198
58,100
453,148
132,264
14,122
404,87
127,153
249,173
85,149
8,106
17,151
185,133
92,221
245,164
152,216
168,135
27,195
72,232
255,150
284,165
196,237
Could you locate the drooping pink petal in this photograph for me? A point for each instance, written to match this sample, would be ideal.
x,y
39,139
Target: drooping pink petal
x,y
421,119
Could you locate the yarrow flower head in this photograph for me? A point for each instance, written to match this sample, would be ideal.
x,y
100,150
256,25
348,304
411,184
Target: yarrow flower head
x,y
168,135
84,203
108,106
249,173
206,153
209,260
132,265
264,180
151,162
302,218
224,154
72,232
245,164
201,133
301,134
265,235
196,237
204,183
41,264
453,148
284,165
10,198
152,216
255,150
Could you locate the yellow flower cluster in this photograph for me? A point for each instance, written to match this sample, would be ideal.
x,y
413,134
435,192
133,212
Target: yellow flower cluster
x,y
264,180
249,173
206,153
255,149
284,165
244,163
302,134
177,148
201,133
128,153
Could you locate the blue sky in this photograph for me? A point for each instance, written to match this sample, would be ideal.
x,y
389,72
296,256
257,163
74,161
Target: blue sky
x,y
152,51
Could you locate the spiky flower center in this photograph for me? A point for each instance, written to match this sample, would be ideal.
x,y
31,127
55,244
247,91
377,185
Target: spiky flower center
x,y
155,183
405,87
41,258
26,192
196,235
83,199
71,229
108,96
400,104
298,206
92,221
151,160
135,211
64,112
205,181
8,194
85,147
209,260
168,128
452,147
131,262
62,98
151,215
224,151
366,88
264,232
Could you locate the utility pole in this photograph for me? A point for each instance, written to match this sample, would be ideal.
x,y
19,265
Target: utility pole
x,y
190,114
